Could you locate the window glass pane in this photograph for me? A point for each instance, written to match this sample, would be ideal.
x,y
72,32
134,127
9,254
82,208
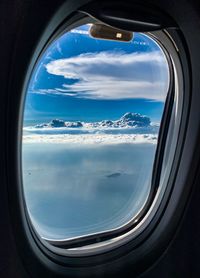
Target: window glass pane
x,y
91,121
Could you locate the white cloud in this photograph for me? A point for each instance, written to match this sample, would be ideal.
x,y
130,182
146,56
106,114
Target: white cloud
x,y
111,90
78,31
112,75
58,47
94,139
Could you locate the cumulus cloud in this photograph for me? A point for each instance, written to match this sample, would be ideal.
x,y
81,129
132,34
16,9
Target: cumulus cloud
x,y
112,75
127,121
130,128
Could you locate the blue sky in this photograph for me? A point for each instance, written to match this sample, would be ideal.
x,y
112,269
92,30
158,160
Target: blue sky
x,y
81,78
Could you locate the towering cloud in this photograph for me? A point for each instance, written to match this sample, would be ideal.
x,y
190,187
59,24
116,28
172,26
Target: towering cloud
x,y
128,120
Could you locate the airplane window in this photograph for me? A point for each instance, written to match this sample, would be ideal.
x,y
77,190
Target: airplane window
x,y
91,122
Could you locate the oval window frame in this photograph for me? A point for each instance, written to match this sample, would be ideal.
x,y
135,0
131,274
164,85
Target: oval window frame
x,y
115,242
143,251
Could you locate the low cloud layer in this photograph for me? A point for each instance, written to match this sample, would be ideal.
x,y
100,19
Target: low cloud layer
x,y
94,139
112,75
